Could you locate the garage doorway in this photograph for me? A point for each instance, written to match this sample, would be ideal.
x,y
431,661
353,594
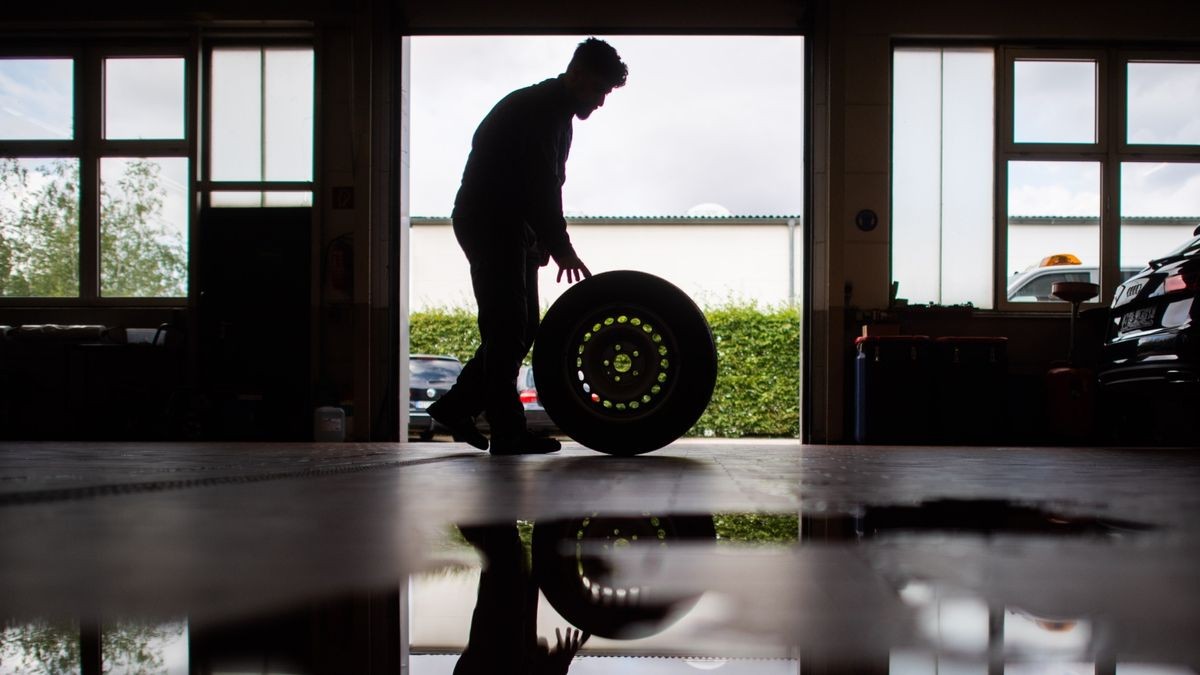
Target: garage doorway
x,y
694,171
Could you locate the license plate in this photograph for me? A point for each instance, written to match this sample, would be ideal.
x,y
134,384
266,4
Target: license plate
x,y
1137,319
421,405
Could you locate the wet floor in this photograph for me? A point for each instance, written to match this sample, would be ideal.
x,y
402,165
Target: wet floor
x,y
731,557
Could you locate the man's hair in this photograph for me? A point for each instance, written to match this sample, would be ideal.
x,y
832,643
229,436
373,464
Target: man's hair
x,y
599,58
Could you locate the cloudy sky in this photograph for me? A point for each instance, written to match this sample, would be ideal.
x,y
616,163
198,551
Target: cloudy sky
x,y
701,120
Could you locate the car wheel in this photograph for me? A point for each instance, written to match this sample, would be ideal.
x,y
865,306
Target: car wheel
x,y
625,362
572,561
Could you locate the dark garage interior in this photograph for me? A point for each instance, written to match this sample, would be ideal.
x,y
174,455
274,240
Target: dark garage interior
x,y
992,485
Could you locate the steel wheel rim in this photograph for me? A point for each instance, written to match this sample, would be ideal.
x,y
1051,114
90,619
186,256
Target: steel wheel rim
x,y
623,362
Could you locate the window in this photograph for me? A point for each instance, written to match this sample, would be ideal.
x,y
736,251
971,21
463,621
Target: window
x,y
1095,158
1054,101
94,169
261,121
37,98
1054,138
942,163
39,227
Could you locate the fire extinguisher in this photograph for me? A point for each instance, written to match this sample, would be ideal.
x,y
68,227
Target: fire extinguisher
x,y
339,265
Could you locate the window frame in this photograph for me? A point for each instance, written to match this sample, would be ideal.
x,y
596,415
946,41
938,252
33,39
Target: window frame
x,y
1009,150
205,185
89,147
1149,151
940,47
1111,151
1006,96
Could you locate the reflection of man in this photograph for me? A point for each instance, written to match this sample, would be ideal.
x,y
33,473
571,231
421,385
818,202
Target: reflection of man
x,y
508,220
504,626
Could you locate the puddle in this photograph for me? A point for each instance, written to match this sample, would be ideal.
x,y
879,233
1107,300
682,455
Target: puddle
x,y
660,594
987,517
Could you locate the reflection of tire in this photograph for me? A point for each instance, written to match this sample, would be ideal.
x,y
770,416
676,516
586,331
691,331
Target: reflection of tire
x,y
570,565
625,362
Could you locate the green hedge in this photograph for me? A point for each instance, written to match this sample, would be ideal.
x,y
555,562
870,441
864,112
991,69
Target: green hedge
x,y
448,332
758,373
758,351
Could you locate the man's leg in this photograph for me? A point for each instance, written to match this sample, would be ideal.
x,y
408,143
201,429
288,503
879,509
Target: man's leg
x,y
457,409
503,634
500,285
520,442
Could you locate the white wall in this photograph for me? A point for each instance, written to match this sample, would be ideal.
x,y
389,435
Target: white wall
x,y
712,263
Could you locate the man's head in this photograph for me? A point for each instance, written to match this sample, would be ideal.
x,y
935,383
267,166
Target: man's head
x,y
595,70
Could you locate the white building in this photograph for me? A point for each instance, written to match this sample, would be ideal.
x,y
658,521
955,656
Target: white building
x,y
714,259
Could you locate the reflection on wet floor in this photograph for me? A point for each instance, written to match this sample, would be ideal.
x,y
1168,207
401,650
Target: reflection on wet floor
x,y
617,578
654,595
60,647
827,561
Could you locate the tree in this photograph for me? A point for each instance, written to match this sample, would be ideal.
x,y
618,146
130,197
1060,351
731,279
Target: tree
x,y
39,232
52,648
39,229
139,256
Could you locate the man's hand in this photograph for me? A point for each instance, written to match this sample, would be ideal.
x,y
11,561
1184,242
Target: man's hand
x,y
558,660
573,267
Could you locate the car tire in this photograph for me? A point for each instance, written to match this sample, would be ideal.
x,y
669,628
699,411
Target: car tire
x,y
569,569
625,362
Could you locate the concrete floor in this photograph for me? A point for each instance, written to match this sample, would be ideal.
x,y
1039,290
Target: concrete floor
x,y
973,555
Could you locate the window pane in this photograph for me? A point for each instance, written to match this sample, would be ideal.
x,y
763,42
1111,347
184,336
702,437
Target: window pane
x,y
287,199
262,119
1160,207
1164,103
39,227
260,199
235,199
36,99
1054,102
1046,639
237,114
40,645
289,114
143,98
140,646
1053,209
143,227
942,175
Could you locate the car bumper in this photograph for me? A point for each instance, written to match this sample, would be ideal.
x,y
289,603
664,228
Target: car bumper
x,y
538,422
419,421
1174,374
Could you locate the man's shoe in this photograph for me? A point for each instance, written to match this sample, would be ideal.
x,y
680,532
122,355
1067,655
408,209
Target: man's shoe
x,y
524,444
462,429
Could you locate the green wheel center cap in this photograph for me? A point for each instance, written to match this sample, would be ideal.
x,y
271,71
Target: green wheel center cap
x,y
622,363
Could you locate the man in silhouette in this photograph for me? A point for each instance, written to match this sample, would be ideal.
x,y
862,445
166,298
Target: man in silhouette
x,y
508,220
503,637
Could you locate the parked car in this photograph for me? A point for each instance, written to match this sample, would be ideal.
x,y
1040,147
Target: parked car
x,y
432,376
1149,371
429,378
1034,283
536,419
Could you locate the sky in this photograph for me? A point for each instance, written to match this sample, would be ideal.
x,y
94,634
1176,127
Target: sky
x,y
701,120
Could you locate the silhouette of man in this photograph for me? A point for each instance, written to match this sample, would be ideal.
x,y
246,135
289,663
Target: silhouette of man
x,y
503,636
508,220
